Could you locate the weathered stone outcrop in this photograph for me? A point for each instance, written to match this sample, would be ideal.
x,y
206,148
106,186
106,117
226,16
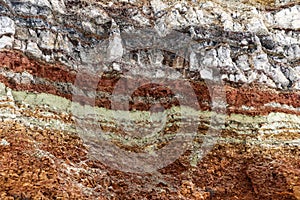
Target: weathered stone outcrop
x,y
198,99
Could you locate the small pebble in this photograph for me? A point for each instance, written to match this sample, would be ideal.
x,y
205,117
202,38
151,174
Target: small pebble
x,y
4,142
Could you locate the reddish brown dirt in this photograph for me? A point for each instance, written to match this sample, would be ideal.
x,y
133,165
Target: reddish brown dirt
x,y
33,166
235,96
18,62
24,174
229,171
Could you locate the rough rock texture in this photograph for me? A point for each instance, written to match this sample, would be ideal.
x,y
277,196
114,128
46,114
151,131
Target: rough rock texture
x,y
226,73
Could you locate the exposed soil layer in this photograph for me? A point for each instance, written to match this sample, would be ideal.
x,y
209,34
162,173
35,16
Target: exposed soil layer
x,y
44,164
52,148
253,97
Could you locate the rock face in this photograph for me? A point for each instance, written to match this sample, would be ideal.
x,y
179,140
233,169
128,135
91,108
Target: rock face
x,y
156,99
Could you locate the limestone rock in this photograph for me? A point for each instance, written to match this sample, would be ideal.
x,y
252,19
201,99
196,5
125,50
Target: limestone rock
x,y
7,25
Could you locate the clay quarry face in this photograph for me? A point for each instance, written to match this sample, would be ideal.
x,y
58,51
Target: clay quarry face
x,y
157,99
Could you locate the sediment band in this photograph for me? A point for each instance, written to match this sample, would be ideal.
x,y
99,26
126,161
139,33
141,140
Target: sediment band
x,y
57,80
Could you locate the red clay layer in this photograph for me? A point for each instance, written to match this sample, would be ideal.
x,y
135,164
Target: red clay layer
x,y
18,62
236,97
228,172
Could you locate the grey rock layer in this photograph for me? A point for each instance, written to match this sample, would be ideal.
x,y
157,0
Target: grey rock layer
x,y
246,44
